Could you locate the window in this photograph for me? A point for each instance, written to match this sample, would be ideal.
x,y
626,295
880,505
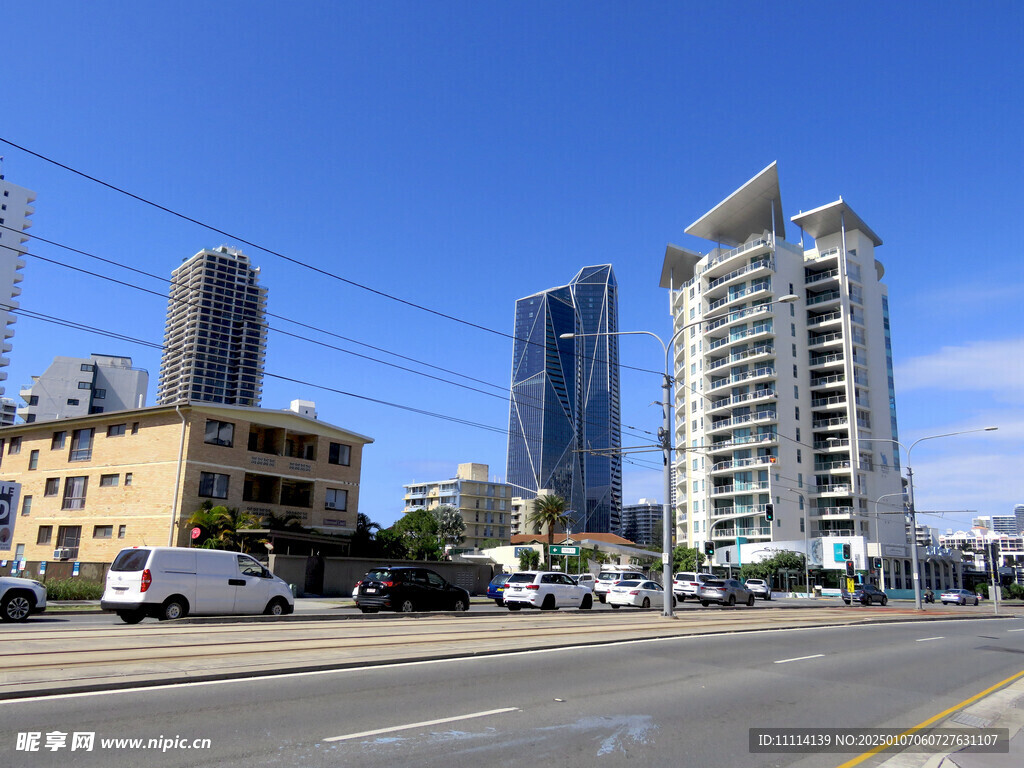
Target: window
x,y
81,445
135,427
121,531
14,446
68,537
88,368
33,399
213,486
99,394
340,454
72,401
52,486
116,430
85,385
103,531
44,534
109,481
337,498
798,456
26,506
33,460
128,478
58,440
74,493
220,433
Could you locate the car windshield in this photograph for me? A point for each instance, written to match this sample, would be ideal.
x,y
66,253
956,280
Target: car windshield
x,y
131,560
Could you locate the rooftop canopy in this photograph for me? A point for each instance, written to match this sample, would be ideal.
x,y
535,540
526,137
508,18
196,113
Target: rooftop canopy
x,y
747,211
831,218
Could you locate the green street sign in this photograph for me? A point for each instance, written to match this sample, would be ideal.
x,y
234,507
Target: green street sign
x,y
560,549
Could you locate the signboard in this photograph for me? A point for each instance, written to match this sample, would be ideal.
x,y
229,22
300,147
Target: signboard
x,y
75,569
42,568
9,495
195,533
519,550
557,549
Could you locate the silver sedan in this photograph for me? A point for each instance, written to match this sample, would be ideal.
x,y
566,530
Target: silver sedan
x,y
724,592
958,596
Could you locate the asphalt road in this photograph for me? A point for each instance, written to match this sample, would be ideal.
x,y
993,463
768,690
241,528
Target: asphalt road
x,y
673,702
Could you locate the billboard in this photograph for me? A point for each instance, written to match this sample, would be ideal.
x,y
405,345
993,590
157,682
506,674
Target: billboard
x,y
9,494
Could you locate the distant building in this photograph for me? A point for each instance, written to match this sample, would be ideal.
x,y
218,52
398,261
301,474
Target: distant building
x,y
215,337
93,484
485,505
564,420
15,209
642,522
1018,513
77,386
8,410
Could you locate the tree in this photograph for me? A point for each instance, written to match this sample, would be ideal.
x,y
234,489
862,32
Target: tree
x,y
234,521
549,512
450,525
210,521
418,530
529,559
390,545
364,542
275,522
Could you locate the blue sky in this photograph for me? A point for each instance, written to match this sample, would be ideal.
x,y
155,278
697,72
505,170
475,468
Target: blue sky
x,y
462,155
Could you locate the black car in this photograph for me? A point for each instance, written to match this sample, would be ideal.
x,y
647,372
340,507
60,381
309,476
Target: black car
x,y
866,594
408,589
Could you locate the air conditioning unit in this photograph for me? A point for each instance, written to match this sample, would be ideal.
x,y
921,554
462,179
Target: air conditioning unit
x,y
61,554
329,505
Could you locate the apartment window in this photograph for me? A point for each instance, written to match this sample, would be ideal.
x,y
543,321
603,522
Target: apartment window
x,y
798,456
121,531
33,460
337,498
801,525
33,399
88,368
135,427
68,537
44,534
798,434
109,481
74,493
792,310
96,409
52,486
72,401
340,454
794,350
128,478
26,506
796,392
81,445
116,430
213,485
14,446
85,385
58,440
796,374
220,433
103,531
792,329
796,412
30,418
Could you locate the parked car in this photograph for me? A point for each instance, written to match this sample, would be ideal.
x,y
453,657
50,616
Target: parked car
x,y
19,598
547,590
686,584
609,576
865,594
959,597
759,587
585,580
496,588
641,594
724,592
408,589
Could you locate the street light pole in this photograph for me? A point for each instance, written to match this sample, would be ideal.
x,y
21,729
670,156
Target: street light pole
x,y
915,564
665,433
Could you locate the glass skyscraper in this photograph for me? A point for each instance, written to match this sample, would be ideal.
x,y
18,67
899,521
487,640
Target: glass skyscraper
x,y
564,423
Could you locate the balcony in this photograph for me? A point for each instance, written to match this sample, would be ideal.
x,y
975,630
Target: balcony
x,y
746,376
745,487
742,333
834,380
814,299
833,512
754,266
838,488
760,438
745,354
818,277
832,423
819,339
732,533
829,358
753,461
756,286
725,402
827,317
828,466
753,245
828,402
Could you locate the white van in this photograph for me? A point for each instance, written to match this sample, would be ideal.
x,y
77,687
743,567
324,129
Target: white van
x,y
172,582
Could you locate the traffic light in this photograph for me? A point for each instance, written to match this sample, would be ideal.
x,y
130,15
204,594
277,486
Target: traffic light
x,y
709,548
849,567
846,552
769,512
876,563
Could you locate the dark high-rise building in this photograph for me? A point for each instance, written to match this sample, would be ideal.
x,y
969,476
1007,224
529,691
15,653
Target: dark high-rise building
x,y
564,422
215,338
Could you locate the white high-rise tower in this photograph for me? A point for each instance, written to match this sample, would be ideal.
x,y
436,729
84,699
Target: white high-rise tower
x,y
15,209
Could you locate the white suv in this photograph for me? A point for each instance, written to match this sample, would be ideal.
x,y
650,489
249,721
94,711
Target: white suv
x,y
21,597
547,590
687,584
609,576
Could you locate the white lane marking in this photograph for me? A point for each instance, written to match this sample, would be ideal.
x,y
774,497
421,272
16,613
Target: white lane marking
x,y
1015,630
926,639
800,658
424,724
460,660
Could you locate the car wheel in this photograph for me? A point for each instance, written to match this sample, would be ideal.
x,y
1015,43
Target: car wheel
x,y
131,617
944,602
732,600
768,596
646,603
549,604
407,606
885,601
588,603
750,600
173,608
704,603
17,606
276,607
367,610
865,600
846,601
499,602
975,601
602,598
460,605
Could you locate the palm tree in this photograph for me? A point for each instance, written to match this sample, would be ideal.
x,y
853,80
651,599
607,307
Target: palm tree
x,y
235,520
549,511
362,542
210,520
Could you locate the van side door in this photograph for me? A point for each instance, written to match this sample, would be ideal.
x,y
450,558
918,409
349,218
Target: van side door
x,y
252,588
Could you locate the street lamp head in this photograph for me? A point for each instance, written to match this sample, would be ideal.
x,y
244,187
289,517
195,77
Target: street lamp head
x,y
567,336
789,298
991,429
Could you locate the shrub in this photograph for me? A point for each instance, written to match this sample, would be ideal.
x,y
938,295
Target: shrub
x,y
73,589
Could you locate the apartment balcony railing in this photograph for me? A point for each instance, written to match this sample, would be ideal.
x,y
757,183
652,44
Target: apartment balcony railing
x,y
745,419
819,276
839,442
821,298
813,339
732,533
755,287
831,511
737,314
745,398
826,318
737,357
837,421
746,487
751,267
737,511
746,376
825,381
831,357
821,402
740,463
825,466
763,437
741,334
836,488
821,534
723,257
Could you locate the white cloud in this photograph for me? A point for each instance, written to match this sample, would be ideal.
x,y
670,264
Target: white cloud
x,y
982,366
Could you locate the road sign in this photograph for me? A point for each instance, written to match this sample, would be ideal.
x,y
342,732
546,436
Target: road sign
x,y
9,494
561,549
195,533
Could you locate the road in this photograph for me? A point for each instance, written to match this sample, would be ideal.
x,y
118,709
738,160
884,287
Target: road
x,y
677,701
